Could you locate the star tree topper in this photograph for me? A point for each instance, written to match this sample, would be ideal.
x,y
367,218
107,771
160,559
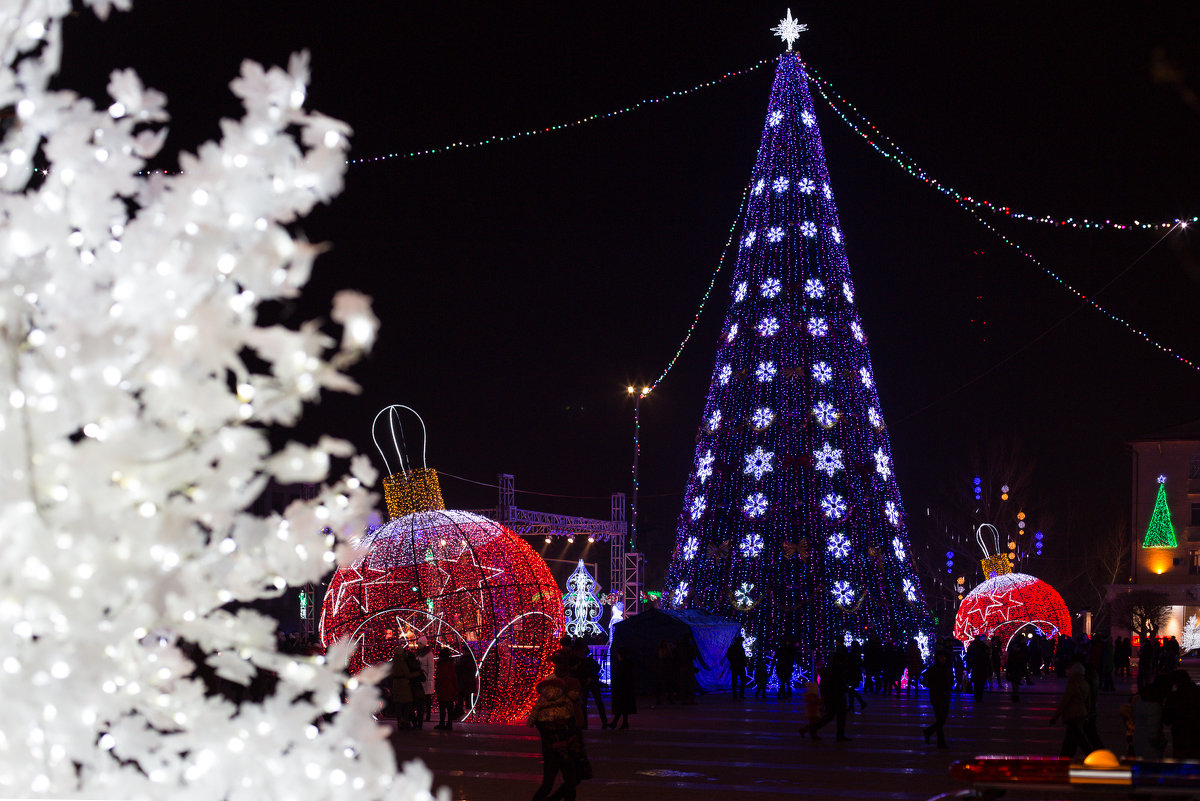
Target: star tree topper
x,y
789,29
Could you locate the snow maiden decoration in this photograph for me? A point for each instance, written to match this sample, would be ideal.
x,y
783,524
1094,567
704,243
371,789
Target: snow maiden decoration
x,y
1007,603
458,579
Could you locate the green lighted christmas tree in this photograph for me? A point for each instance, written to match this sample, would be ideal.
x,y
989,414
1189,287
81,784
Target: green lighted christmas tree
x,y
1160,533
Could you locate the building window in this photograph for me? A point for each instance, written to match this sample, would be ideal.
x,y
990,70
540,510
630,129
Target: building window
x,y
1195,514
1194,562
1194,470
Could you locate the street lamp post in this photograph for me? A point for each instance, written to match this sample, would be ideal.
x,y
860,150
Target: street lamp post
x,y
633,508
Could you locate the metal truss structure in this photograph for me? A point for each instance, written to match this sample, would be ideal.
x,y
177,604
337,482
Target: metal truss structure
x,y
626,576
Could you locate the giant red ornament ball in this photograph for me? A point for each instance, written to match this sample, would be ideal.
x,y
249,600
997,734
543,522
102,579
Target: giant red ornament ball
x,y
1005,604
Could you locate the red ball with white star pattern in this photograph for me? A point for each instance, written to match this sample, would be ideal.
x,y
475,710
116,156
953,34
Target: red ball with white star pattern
x,y
463,582
1010,603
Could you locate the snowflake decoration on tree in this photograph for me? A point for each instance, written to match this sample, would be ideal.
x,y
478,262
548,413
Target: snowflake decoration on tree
x,y
814,289
910,592
898,544
774,234
741,596
883,463
755,505
838,546
714,420
704,467
699,504
768,326
857,331
690,548
732,335
822,373
836,234
748,641
808,228
892,512
874,418
781,184
865,375
749,240
759,462
834,506
765,372
825,413
817,326
827,459
843,593
725,374
680,593
808,119
759,186
751,545
762,417
740,293
806,186
848,291
770,288
827,191
774,118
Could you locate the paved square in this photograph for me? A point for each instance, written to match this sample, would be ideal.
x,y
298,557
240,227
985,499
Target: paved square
x,y
724,749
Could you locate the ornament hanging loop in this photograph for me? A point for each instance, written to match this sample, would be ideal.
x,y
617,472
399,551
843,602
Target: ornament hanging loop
x,y
995,539
395,426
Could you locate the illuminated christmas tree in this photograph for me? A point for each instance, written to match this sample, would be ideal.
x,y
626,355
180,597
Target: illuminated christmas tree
x,y
1160,533
792,521
581,606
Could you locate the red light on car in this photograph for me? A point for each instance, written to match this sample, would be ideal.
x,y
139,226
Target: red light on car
x,y
1010,769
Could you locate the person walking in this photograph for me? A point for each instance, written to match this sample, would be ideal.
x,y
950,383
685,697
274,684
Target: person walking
x,y
587,670
686,654
1014,671
1073,709
556,717
762,675
445,684
914,662
997,655
736,655
402,681
938,678
417,683
978,666
854,677
833,696
785,663
812,706
425,657
624,689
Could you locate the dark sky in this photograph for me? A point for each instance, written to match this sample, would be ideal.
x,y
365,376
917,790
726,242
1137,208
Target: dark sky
x,y
523,285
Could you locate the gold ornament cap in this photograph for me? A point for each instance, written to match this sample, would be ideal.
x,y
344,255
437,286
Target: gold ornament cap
x,y
998,565
414,491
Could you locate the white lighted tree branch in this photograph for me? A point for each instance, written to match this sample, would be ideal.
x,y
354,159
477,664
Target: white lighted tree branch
x,y
133,434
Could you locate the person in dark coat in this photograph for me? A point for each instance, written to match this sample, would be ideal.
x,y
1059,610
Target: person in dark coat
x,y
762,675
833,695
938,678
402,685
854,677
785,663
556,716
445,685
417,682
587,670
736,654
1014,671
468,682
978,665
664,673
1181,711
624,688
1073,709
915,663
997,655
686,654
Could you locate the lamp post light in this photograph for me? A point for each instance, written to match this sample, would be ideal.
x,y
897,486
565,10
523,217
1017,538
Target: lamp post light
x,y
633,508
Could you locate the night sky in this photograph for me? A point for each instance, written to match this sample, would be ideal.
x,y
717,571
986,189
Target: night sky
x,y
522,285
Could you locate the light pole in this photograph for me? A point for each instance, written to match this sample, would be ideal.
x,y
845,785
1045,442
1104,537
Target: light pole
x,y
637,402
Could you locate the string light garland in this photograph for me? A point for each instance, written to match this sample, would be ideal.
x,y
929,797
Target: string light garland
x,y
562,126
892,152
792,522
